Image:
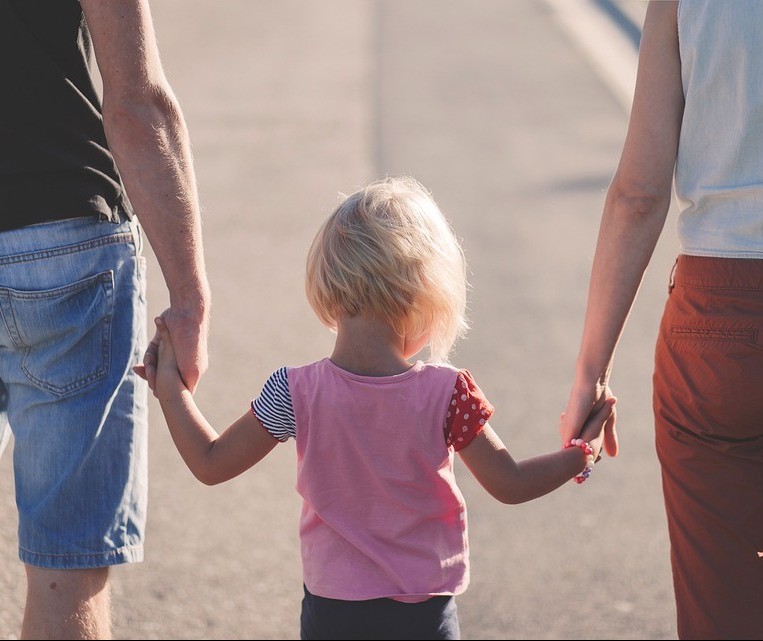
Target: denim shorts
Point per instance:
(72, 325)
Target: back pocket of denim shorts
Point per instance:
(64, 333)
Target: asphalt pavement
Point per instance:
(496, 108)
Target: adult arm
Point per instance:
(147, 135)
(634, 214)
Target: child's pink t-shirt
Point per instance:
(382, 514)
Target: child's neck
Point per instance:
(369, 347)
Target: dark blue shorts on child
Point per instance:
(322, 618)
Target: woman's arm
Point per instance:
(634, 214)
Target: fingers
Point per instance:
(571, 422)
(147, 369)
(161, 327)
(593, 428)
(160, 354)
(187, 341)
(608, 406)
(599, 415)
(582, 402)
(611, 445)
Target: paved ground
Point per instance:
(494, 108)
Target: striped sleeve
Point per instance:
(273, 407)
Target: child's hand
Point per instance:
(167, 373)
(593, 429)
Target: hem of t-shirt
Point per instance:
(417, 597)
(721, 253)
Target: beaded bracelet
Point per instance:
(588, 450)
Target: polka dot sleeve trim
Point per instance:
(468, 412)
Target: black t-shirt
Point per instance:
(54, 159)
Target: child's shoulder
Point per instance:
(441, 365)
(314, 370)
(461, 377)
(284, 373)
(439, 373)
(312, 365)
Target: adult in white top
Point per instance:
(697, 124)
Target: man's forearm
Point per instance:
(149, 140)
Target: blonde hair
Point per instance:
(388, 252)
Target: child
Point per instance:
(383, 525)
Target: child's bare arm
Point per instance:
(512, 481)
(212, 458)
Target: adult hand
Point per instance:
(583, 402)
(189, 339)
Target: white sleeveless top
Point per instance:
(719, 169)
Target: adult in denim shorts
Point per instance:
(73, 341)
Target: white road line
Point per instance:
(608, 49)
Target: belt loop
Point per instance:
(672, 282)
(137, 235)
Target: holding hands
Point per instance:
(191, 360)
(166, 376)
(577, 421)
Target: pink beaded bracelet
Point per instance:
(588, 450)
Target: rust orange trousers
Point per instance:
(708, 407)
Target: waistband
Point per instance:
(718, 272)
(60, 234)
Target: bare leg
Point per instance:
(67, 604)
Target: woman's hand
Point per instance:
(584, 403)
(599, 422)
